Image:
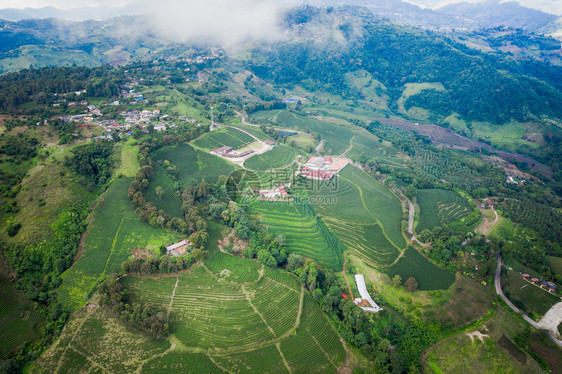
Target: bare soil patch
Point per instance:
(548, 350)
(238, 245)
(141, 253)
(512, 349)
(477, 335)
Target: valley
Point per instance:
(200, 207)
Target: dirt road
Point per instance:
(411, 212)
(486, 225)
(346, 281)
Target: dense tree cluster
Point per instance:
(41, 85)
(19, 148)
(161, 265)
(268, 105)
(395, 56)
(231, 215)
(431, 167)
(391, 345)
(267, 248)
(147, 317)
(38, 265)
(93, 162)
(546, 221)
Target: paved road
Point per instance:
(510, 304)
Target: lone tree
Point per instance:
(159, 192)
(397, 280)
(411, 284)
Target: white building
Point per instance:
(362, 288)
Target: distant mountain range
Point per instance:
(461, 15)
(494, 13)
(420, 13)
(547, 6)
(75, 14)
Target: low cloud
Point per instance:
(228, 22)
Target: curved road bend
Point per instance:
(510, 304)
(411, 212)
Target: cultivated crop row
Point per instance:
(304, 234)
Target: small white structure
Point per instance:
(178, 248)
(365, 297)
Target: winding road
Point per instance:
(411, 212)
(513, 307)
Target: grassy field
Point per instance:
(368, 146)
(113, 232)
(48, 190)
(357, 198)
(336, 137)
(178, 103)
(129, 161)
(370, 89)
(412, 89)
(302, 140)
(279, 157)
(429, 276)
(556, 263)
(37, 56)
(304, 233)
(193, 165)
(495, 353)
(255, 131)
(88, 344)
(226, 136)
(19, 322)
(529, 298)
(510, 135)
(438, 207)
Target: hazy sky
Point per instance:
(550, 6)
(62, 4)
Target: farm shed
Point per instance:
(362, 287)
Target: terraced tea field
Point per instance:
(366, 241)
(88, 344)
(438, 207)
(337, 138)
(304, 233)
(218, 323)
(169, 202)
(194, 166)
(19, 322)
(115, 230)
(226, 136)
(279, 157)
(357, 198)
(428, 275)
